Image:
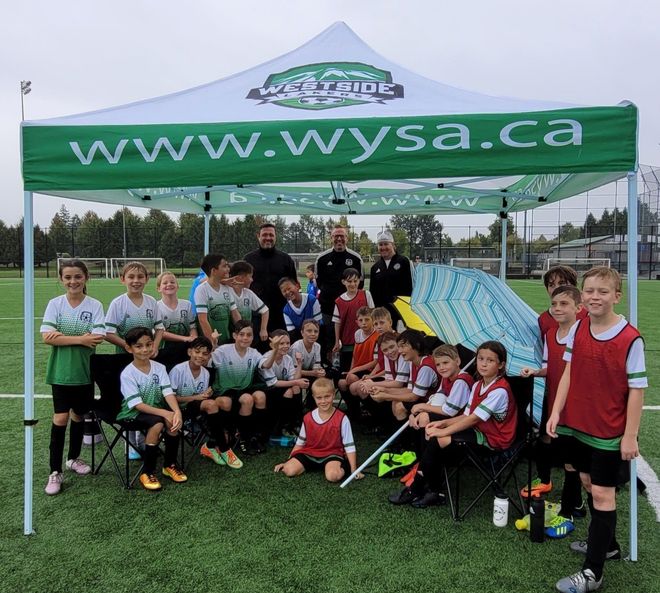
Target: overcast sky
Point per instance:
(83, 55)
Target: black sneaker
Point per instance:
(581, 548)
(242, 447)
(405, 496)
(430, 499)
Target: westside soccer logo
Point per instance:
(328, 85)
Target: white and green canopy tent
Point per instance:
(330, 128)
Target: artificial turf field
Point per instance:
(252, 531)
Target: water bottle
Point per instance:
(537, 520)
(500, 512)
(92, 432)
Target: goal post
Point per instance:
(154, 265)
(490, 265)
(98, 267)
(579, 264)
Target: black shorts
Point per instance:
(146, 421)
(606, 468)
(79, 398)
(316, 464)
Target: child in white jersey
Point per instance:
(247, 301)
(177, 314)
(73, 325)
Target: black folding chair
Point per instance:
(497, 468)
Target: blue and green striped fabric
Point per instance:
(467, 306)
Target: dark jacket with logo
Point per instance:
(330, 266)
(388, 282)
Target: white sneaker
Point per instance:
(54, 485)
(78, 466)
(580, 582)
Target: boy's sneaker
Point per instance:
(580, 511)
(78, 466)
(211, 453)
(430, 499)
(54, 485)
(229, 458)
(242, 447)
(581, 548)
(538, 488)
(150, 482)
(405, 496)
(580, 582)
(559, 527)
(175, 473)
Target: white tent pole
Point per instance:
(632, 318)
(28, 349)
(503, 220)
(207, 221)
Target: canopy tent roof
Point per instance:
(334, 113)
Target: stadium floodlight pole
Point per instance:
(632, 318)
(28, 349)
(375, 454)
(26, 89)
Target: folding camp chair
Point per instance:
(106, 370)
(497, 468)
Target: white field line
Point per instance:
(16, 318)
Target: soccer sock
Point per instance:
(149, 459)
(76, 433)
(601, 532)
(57, 436)
(614, 544)
(217, 432)
(244, 425)
(171, 449)
(429, 468)
(543, 461)
(260, 416)
(570, 494)
(352, 406)
(287, 413)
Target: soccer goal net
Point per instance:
(98, 267)
(490, 265)
(154, 265)
(579, 264)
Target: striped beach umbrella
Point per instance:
(468, 306)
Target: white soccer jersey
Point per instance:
(217, 305)
(234, 371)
(183, 383)
(284, 370)
(124, 315)
(310, 359)
(248, 303)
(149, 388)
(180, 320)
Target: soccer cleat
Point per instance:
(150, 482)
(538, 488)
(175, 473)
(54, 485)
(211, 453)
(581, 548)
(559, 527)
(430, 499)
(78, 466)
(580, 582)
(231, 460)
(405, 496)
(242, 447)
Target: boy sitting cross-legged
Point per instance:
(190, 381)
(150, 402)
(325, 441)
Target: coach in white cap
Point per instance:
(391, 275)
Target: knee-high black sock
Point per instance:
(430, 466)
(76, 433)
(149, 459)
(543, 461)
(287, 419)
(260, 416)
(244, 425)
(352, 407)
(171, 449)
(57, 436)
(571, 494)
(614, 544)
(217, 432)
(601, 532)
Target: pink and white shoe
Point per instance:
(54, 485)
(79, 467)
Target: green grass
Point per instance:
(254, 531)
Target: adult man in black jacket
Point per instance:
(270, 264)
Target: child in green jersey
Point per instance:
(73, 325)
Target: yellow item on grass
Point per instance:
(551, 511)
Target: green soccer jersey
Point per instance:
(234, 372)
(124, 315)
(69, 365)
(218, 305)
(149, 388)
